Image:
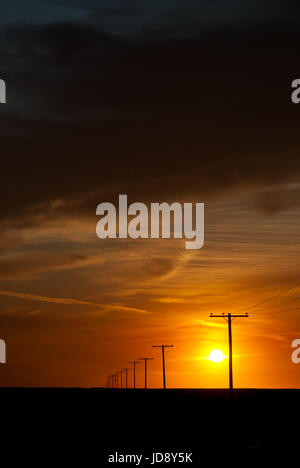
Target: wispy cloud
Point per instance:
(61, 300)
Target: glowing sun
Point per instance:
(216, 355)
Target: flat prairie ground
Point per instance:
(67, 424)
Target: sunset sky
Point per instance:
(164, 101)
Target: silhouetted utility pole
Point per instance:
(112, 379)
(229, 317)
(134, 364)
(117, 374)
(163, 346)
(121, 372)
(126, 369)
(145, 359)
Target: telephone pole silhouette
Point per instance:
(126, 369)
(163, 346)
(229, 317)
(145, 359)
(134, 364)
(110, 381)
(121, 372)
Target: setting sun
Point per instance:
(216, 355)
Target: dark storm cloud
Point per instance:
(91, 115)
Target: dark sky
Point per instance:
(134, 82)
(164, 101)
(127, 17)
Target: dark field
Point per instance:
(87, 424)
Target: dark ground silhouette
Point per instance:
(87, 424)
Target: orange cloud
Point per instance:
(61, 300)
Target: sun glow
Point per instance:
(216, 355)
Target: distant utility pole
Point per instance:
(112, 378)
(126, 369)
(117, 374)
(229, 317)
(134, 364)
(109, 382)
(163, 346)
(145, 359)
(121, 372)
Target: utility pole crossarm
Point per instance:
(163, 346)
(231, 315)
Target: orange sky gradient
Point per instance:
(86, 318)
(165, 102)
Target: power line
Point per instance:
(283, 291)
(188, 339)
(272, 298)
(275, 306)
